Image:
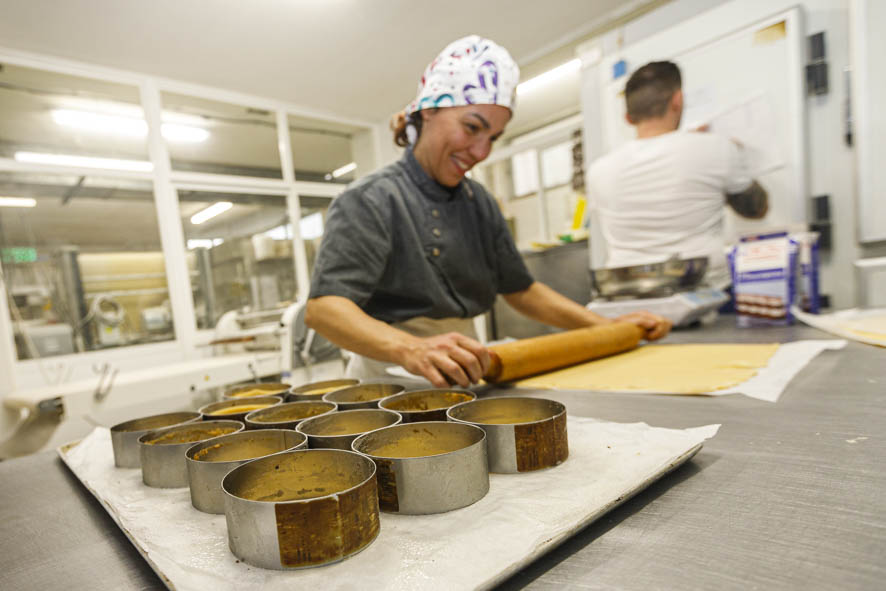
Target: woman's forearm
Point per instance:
(442, 359)
(543, 304)
(343, 322)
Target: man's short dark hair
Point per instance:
(650, 88)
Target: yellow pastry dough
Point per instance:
(868, 327)
(667, 369)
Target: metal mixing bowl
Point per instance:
(650, 280)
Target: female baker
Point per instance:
(415, 250)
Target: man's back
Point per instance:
(665, 195)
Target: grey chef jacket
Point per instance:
(400, 245)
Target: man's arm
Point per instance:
(752, 203)
(543, 304)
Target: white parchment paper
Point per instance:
(521, 517)
(771, 381)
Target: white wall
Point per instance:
(386, 150)
(831, 162)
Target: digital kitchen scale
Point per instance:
(671, 288)
(681, 308)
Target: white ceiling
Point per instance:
(355, 58)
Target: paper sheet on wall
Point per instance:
(750, 121)
(522, 517)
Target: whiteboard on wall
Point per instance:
(742, 74)
(869, 92)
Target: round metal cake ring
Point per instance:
(162, 452)
(236, 409)
(260, 389)
(522, 434)
(337, 430)
(300, 509)
(209, 461)
(362, 396)
(316, 390)
(287, 415)
(426, 405)
(429, 467)
(125, 436)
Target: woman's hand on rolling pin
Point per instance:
(655, 326)
(446, 359)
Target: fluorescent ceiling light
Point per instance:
(344, 169)
(311, 226)
(281, 232)
(544, 78)
(126, 125)
(17, 202)
(210, 212)
(183, 133)
(100, 122)
(84, 161)
(203, 242)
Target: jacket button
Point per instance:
(435, 252)
(436, 232)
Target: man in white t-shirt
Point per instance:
(663, 193)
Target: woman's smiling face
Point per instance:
(454, 139)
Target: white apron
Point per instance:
(364, 368)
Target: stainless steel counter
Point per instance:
(787, 495)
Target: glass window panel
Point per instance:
(525, 172)
(240, 258)
(556, 164)
(313, 224)
(83, 264)
(328, 151)
(221, 138)
(54, 118)
(497, 178)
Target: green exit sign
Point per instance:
(18, 254)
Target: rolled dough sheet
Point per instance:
(666, 369)
(869, 327)
(864, 326)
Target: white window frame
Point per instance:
(539, 140)
(166, 182)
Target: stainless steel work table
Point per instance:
(787, 495)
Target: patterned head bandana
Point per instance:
(470, 71)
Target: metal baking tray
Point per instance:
(524, 516)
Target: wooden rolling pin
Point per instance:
(526, 357)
